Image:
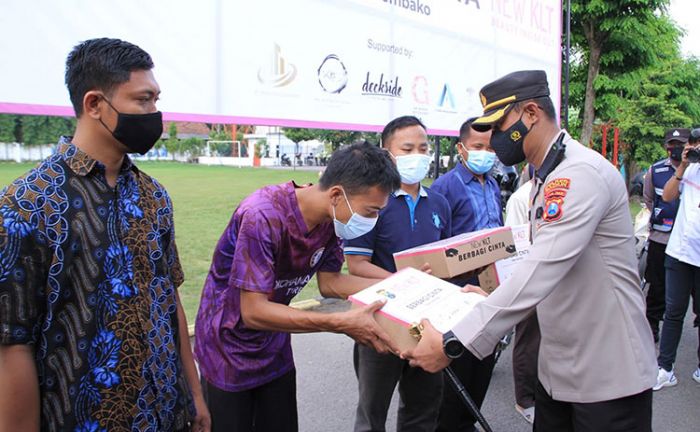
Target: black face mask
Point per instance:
(676, 153)
(138, 132)
(508, 144)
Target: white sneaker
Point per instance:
(666, 379)
(527, 413)
(696, 375)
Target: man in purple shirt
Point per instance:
(277, 239)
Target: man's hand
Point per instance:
(428, 354)
(475, 289)
(202, 421)
(684, 161)
(360, 325)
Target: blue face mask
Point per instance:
(480, 161)
(355, 227)
(413, 168)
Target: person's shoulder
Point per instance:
(660, 162)
(441, 182)
(436, 196)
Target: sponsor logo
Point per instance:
(389, 48)
(413, 5)
(278, 72)
(420, 90)
(382, 87)
(316, 257)
(446, 98)
(332, 74)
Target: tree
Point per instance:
(335, 138)
(595, 23)
(172, 144)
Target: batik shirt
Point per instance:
(266, 248)
(88, 275)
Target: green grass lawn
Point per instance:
(204, 199)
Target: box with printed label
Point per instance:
(496, 273)
(412, 295)
(459, 254)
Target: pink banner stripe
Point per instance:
(65, 111)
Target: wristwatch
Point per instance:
(452, 347)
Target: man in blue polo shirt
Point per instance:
(413, 216)
(475, 200)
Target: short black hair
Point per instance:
(544, 102)
(359, 167)
(399, 123)
(102, 64)
(466, 129)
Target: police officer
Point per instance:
(596, 359)
(661, 221)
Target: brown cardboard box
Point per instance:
(459, 254)
(412, 295)
(496, 273)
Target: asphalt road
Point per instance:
(327, 389)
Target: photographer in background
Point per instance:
(682, 260)
(663, 214)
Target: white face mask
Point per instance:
(413, 168)
(356, 226)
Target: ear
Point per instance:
(92, 104)
(530, 110)
(335, 193)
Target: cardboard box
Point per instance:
(460, 254)
(499, 271)
(412, 295)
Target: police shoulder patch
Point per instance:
(553, 209)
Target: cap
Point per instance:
(678, 134)
(499, 96)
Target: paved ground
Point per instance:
(327, 389)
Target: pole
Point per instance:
(567, 68)
(437, 157)
(458, 387)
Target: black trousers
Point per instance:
(475, 375)
(271, 407)
(656, 276)
(627, 414)
(526, 346)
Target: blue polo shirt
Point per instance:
(474, 206)
(404, 223)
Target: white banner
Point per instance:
(338, 64)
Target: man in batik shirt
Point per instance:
(92, 333)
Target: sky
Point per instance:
(684, 12)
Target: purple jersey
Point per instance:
(265, 248)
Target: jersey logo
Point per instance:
(316, 257)
(436, 221)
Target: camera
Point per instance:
(693, 154)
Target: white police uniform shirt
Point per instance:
(581, 276)
(684, 243)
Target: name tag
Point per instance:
(660, 170)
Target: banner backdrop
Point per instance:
(335, 64)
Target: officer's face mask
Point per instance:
(676, 153)
(138, 132)
(479, 161)
(355, 227)
(413, 167)
(508, 144)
